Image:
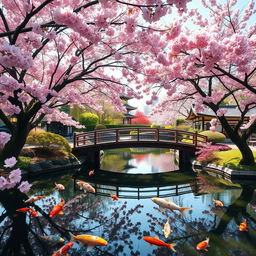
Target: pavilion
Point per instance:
(201, 120)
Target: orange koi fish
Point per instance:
(114, 197)
(63, 251)
(202, 245)
(90, 240)
(91, 172)
(243, 226)
(59, 186)
(218, 203)
(158, 242)
(33, 199)
(26, 209)
(57, 209)
(85, 186)
(33, 213)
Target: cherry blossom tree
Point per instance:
(58, 52)
(212, 60)
(140, 118)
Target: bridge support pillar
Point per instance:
(185, 160)
(91, 160)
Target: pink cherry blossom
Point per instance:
(24, 186)
(4, 138)
(15, 176)
(10, 162)
(3, 183)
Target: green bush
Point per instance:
(89, 119)
(180, 121)
(49, 140)
(214, 137)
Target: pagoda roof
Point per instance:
(127, 106)
(127, 115)
(232, 111)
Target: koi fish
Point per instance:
(26, 209)
(90, 240)
(168, 204)
(53, 238)
(167, 229)
(63, 251)
(57, 209)
(158, 242)
(31, 211)
(218, 203)
(91, 172)
(59, 186)
(114, 197)
(85, 186)
(202, 245)
(33, 199)
(243, 226)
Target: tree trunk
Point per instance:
(17, 141)
(245, 150)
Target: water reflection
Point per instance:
(139, 160)
(124, 223)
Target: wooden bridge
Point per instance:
(136, 137)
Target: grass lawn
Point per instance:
(231, 159)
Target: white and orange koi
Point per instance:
(202, 245)
(85, 186)
(33, 199)
(168, 204)
(167, 229)
(59, 186)
(218, 203)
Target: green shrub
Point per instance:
(49, 140)
(180, 121)
(214, 137)
(89, 119)
(100, 127)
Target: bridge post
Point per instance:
(185, 162)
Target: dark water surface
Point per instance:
(124, 222)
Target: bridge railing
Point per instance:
(132, 134)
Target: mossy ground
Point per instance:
(231, 159)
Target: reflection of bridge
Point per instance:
(138, 186)
(136, 137)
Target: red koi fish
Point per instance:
(31, 211)
(33, 199)
(114, 197)
(57, 209)
(243, 226)
(26, 209)
(202, 245)
(218, 203)
(64, 249)
(158, 242)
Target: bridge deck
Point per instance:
(137, 137)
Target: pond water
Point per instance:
(124, 222)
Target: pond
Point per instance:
(123, 223)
